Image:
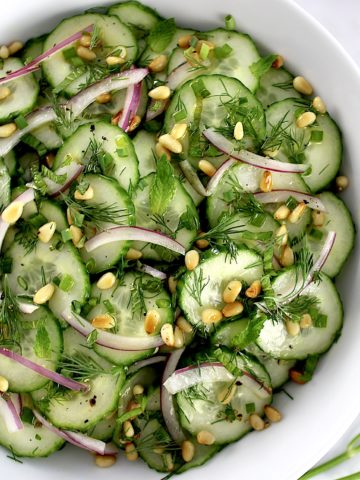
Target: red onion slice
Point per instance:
(167, 399)
(10, 415)
(44, 372)
(276, 196)
(131, 105)
(145, 363)
(72, 172)
(133, 233)
(153, 112)
(265, 163)
(16, 400)
(28, 308)
(153, 272)
(178, 75)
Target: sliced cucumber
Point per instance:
(276, 341)
(48, 136)
(41, 342)
(140, 18)
(53, 213)
(202, 287)
(122, 357)
(276, 85)
(10, 162)
(32, 49)
(104, 429)
(203, 453)
(5, 181)
(113, 34)
(144, 143)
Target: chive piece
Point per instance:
(37, 220)
(199, 89)
(179, 116)
(56, 281)
(66, 235)
(316, 234)
(92, 337)
(69, 53)
(299, 111)
(6, 265)
(76, 306)
(78, 219)
(204, 51)
(261, 236)
(77, 61)
(21, 122)
(163, 303)
(258, 219)
(34, 143)
(109, 306)
(250, 407)
(291, 203)
(243, 100)
(66, 283)
(320, 321)
(316, 136)
(230, 22)
(27, 415)
(90, 265)
(122, 152)
(93, 301)
(193, 42)
(22, 282)
(223, 52)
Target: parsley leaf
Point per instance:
(161, 34)
(260, 67)
(42, 347)
(163, 187)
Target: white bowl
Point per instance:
(325, 408)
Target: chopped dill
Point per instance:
(197, 285)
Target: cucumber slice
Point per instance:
(202, 287)
(122, 357)
(274, 339)
(10, 162)
(169, 223)
(53, 213)
(276, 85)
(323, 158)
(5, 185)
(48, 136)
(144, 143)
(104, 430)
(24, 91)
(140, 18)
(113, 34)
(203, 453)
(102, 148)
(39, 326)
(200, 408)
(32, 49)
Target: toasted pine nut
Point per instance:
(46, 232)
(112, 60)
(266, 182)
(211, 315)
(184, 41)
(106, 281)
(318, 218)
(76, 234)
(178, 337)
(297, 377)
(207, 167)
(254, 290)
(232, 309)
(256, 422)
(305, 119)
(104, 321)
(4, 92)
(272, 413)
(297, 213)
(7, 130)
(49, 159)
(319, 105)
(12, 212)
(167, 334)
(168, 460)
(69, 216)
(4, 384)
(88, 195)
(15, 47)
(135, 122)
(170, 143)
(128, 429)
(287, 257)
(226, 394)
(105, 461)
(178, 130)
(158, 64)
(231, 291)
(160, 150)
(138, 390)
(184, 325)
(85, 53)
(306, 321)
(292, 328)
(133, 254)
(303, 86)
(239, 131)
(172, 283)
(152, 321)
(44, 294)
(192, 259)
(160, 93)
(131, 452)
(187, 450)
(202, 243)
(342, 182)
(282, 235)
(4, 52)
(205, 438)
(282, 213)
(103, 98)
(85, 40)
(278, 62)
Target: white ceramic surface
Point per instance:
(325, 408)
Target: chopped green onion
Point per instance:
(78, 219)
(179, 116)
(66, 235)
(163, 303)
(109, 306)
(193, 42)
(204, 51)
(316, 136)
(316, 234)
(199, 89)
(27, 415)
(93, 301)
(76, 306)
(69, 53)
(250, 407)
(56, 281)
(66, 283)
(258, 219)
(291, 203)
(77, 61)
(261, 236)
(320, 321)
(300, 157)
(37, 220)
(92, 337)
(21, 122)
(22, 282)
(6, 265)
(83, 186)
(37, 437)
(223, 52)
(230, 22)
(299, 111)
(122, 152)
(90, 265)
(34, 143)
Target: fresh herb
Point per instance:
(250, 334)
(13, 456)
(223, 52)
(82, 367)
(161, 35)
(26, 235)
(316, 136)
(96, 159)
(142, 290)
(64, 117)
(309, 368)
(259, 68)
(189, 220)
(21, 122)
(95, 37)
(42, 346)
(92, 337)
(293, 310)
(250, 408)
(10, 321)
(197, 285)
(275, 137)
(163, 187)
(66, 283)
(230, 22)
(34, 143)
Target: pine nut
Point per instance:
(254, 290)
(159, 450)
(187, 450)
(167, 334)
(106, 281)
(105, 461)
(160, 93)
(85, 40)
(4, 92)
(12, 212)
(305, 119)
(69, 216)
(192, 259)
(170, 143)
(282, 235)
(138, 390)
(282, 213)
(297, 377)
(44, 294)
(227, 394)
(239, 131)
(319, 105)
(207, 167)
(172, 283)
(342, 182)
(133, 254)
(287, 257)
(152, 321)
(158, 64)
(302, 86)
(184, 41)
(7, 130)
(131, 453)
(104, 321)
(292, 328)
(4, 384)
(272, 413)
(278, 62)
(49, 159)
(202, 243)
(232, 309)
(46, 232)
(160, 150)
(318, 218)
(128, 429)
(256, 422)
(211, 315)
(85, 53)
(88, 195)
(306, 321)
(168, 460)
(178, 130)
(184, 325)
(178, 337)
(4, 52)
(135, 122)
(112, 61)
(15, 47)
(266, 182)
(103, 98)
(297, 213)
(76, 234)
(231, 291)
(271, 153)
(205, 438)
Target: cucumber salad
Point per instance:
(170, 232)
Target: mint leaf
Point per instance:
(189, 220)
(42, 347)
(163, 187)
(260, 67)
(161, 35)
(250, 334)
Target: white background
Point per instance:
(342, 19)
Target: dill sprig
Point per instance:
(26, 235)
(197, 285)
(82, 367)
(242, 202)
(64, 116)
(275, 137)
(294, 310)
(10, 323)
